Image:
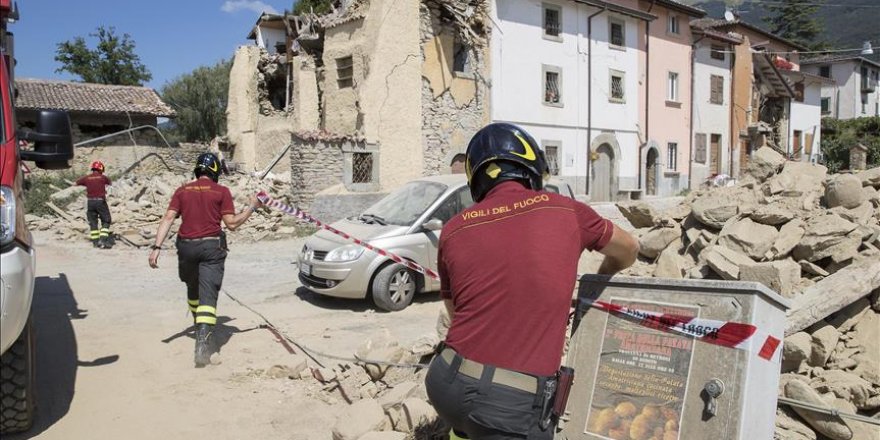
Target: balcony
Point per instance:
(868, 85)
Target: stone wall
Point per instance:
(454, 104)
(315, 165)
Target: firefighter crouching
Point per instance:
(201, 243)
(96, 207)
(507, 269)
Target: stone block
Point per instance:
(639, 214)
(825, 338)
(781, 276)
(796, 350)
(358, 419)
(415, 412)
(726, 262)
(823, 237)
(670, 264)
(847, 386)
(812, 269)
(764, 163)
(844, 190)
(772, 215)
(658, 239)
(828, 425)
(749, 238)
(870, 177)
(396, 395)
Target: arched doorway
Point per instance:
(602, 186)
(651, 172)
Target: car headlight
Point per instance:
(348, 252)
(7, 215)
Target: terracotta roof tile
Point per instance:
(39, 94)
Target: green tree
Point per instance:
(795, 20)
(838, 136)
(113, 61)
(316, 6)
(199, 98)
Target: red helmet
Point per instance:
(98, 166)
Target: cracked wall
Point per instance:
(454, 92)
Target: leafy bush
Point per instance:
(42, 186)
(838, 136)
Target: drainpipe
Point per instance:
(647, 93)
(733, 137)
(691, 124)
(590, 93)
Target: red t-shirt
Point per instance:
(509, 264)
(202, 203)
(95, 184)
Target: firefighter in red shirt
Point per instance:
(97, 208)
(507, 269)
(201, 244)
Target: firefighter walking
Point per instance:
(96, 209)
(201, 244)
(507, 269)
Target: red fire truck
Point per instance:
(52, 149)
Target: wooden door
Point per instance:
(602, 169)
(796, 144)
(715, 151)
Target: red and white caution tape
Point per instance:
(302, 215)
(724, 333)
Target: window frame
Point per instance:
(672, 87)
(672, 156)
(622, 75)
(719, 50)
(553, 7)
(701, 146)
(622, 23)
(468, 69)
(547, 69)
(546, 145)
(824, 67)
(673, 25)
(827, 110)
(344, 81)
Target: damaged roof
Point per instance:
(41, 94)
(715, 23)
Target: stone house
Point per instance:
(95, 109)
(853, 91)
(371, 103)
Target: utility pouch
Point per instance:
(564, 381)
(223, 244)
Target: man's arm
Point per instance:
(164, 227)
(620, 252)
(233, 221)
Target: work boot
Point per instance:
(203, 352)
(96, 243)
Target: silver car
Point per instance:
(406, 222)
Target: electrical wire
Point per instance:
(797, 3)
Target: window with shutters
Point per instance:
(717, 52)
(799, 92)
(716, 89)
(616, 36)
(700, 148)
(552, 85)
(672, 25)
(825, 105)
(617, 87)
(552, 22)
(344, 72)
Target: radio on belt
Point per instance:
(638, 382)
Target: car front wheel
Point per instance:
(17, 389)
(394, 287)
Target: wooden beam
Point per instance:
(833, 294)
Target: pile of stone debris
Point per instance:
(381, 402)
(815, 239)
(138, 201)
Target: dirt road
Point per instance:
(115, 346)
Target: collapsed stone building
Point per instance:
(342, 99)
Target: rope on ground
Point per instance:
(830, 411)
(311, 353)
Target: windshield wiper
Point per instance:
(373, 218)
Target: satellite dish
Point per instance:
(728, 15)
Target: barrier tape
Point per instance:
(723, 333)
(302, 215)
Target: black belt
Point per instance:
(513, 379)
(198, 239)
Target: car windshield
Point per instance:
(404, 205)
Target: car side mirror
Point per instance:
(434, 224)
(53, 141)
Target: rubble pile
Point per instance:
(789, 226)
(138, 202)
(372, 401)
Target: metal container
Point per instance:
(635, 381)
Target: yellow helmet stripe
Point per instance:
(529, 152)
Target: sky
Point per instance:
(172, 37)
